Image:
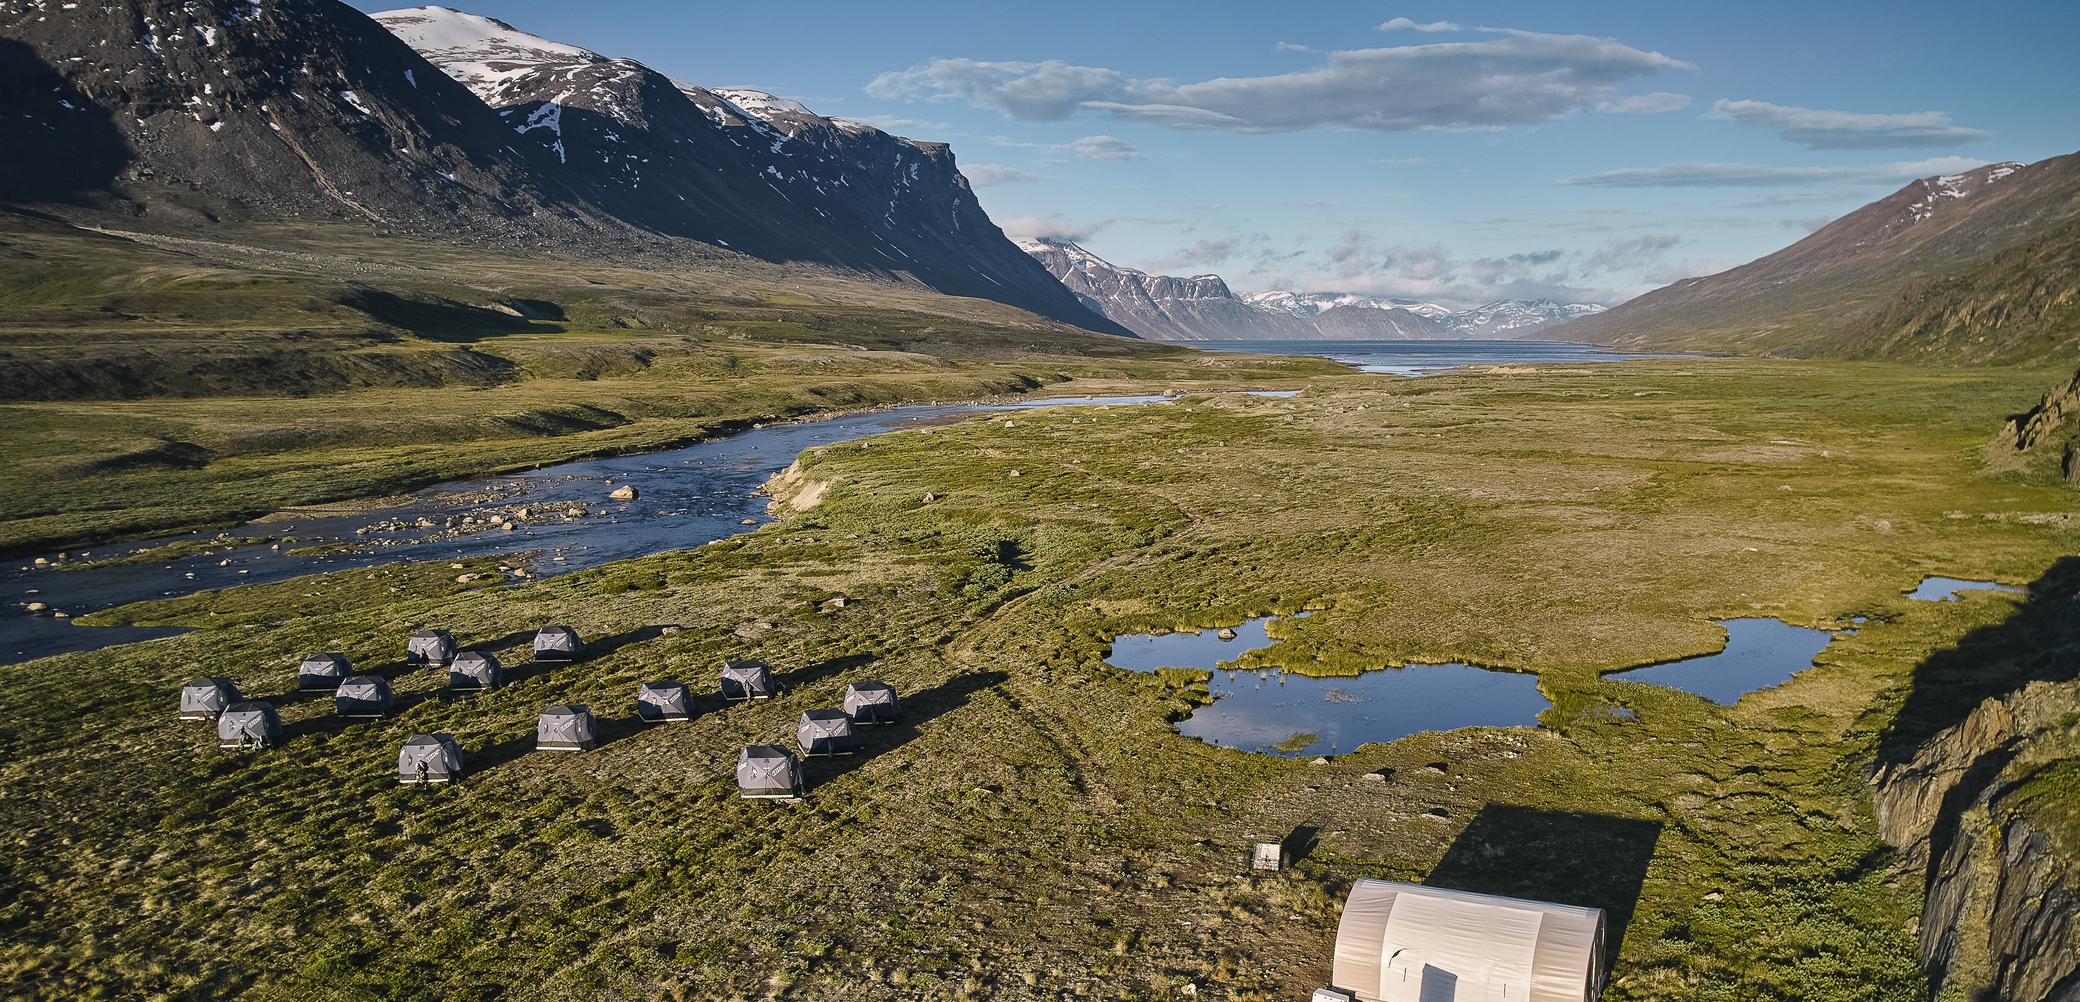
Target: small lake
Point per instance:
(1280, 713)
(1759, 654)
(1417, 358)
(1933, 589)
(687, 497)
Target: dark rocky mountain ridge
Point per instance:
(281, 110)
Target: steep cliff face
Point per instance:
(1990, 810)
(740, 168)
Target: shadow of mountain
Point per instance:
(61, 145)
(2040, 641)
(1588, 860)
(918, 710)
(441, 320)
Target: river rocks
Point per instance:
(1226, 634)
(625, 492)
(37, 607)
(574, 512)
(749, 521)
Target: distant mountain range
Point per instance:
(1982, 266)
(194, 111)
(1203, 308)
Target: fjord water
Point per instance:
(1416, 358)
(687, 497)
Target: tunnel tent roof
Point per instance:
(1407, 940)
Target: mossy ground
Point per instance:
(1036, 828)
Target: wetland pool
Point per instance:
(686, 497)
(1935, 589)
(1281, 713)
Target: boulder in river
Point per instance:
(625, 492)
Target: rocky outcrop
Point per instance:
(1985, 810)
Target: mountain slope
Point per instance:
(1203, 308)
(1972, 267)
(740, 168)
(285, 108)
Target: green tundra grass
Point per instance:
(1036, 829)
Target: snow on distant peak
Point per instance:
(1314, 304)
(760, 103)
(482, 52)
(1944, 187)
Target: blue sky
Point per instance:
(1452, 152)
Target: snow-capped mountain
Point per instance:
(737, 167)
(1203, 308)
(309, 109)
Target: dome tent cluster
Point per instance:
(763, 771)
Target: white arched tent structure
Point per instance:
(1410, 943)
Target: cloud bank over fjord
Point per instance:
(1727, 175)
(1842, 130)
(1519, 78)
(991, 175)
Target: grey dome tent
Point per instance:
(747, 679)
(364, 696)
(204, 698)
(566, 728)
(475, 670)
(869, 703)
(1406, 941)
(430, 647)
(429, 758)
(323, 671)
(250, 725)
(768, 771)
(657, 702)
(557, 643)
(826, 732)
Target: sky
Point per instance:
(1453, 153)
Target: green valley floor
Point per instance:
(1036, 828)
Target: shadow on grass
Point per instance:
(814, 673)
(1587, 860)
(918, 710)
(2040, 641)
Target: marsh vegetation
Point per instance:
(1036, 827)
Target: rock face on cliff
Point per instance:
(1990, 810)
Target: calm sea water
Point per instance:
(1416, 358)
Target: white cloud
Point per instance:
(1036, 228)
(1638, 252)
(1101, 148)
(1517, 79)
(1715, 175)
(991, 175)
(1842, 130)
(1290, 47)
(1645, 104)
(1200, 254)
(1404, 24)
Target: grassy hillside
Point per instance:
(1036, 829)
(158, 382)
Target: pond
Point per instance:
(1759, 653)
(687, 497)
(1934, 589)
(1281, 713)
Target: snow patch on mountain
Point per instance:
(483, 53)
